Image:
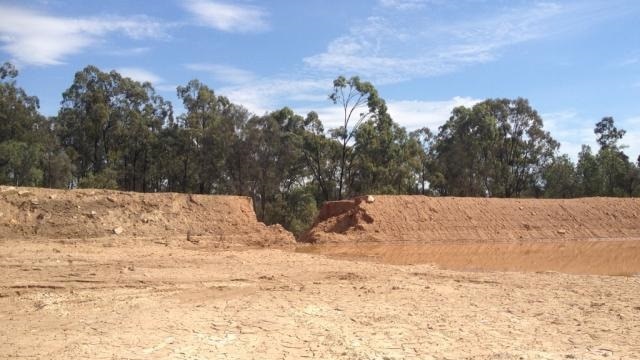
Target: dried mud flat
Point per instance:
(97, 274)
(141, 300)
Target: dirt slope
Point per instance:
(82, 214)
(445, 219)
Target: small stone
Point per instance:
(35, 202)
(52, 196)
(562, 231)
(370, 199)
(92, 214)
(109, 198)
(24, 192)
(119, 230)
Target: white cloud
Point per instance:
(140, 75)
(412, 114)
(394, 48)
(573, 130)
(129, 51)
(268, 94)
(224, 73)
(403, 4)
(38, 39)
(228, 17)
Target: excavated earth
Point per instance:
(421, 219)
(31, 213)
(98, 274)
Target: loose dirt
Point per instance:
(610, 257)
(31, 213)
(183, 278)
(421, 219)
(145, 300)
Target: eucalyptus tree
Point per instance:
(358, 101)
(387, 159)
(109, 123)
(24, 133)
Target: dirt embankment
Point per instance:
(84, 214)
(427, 220)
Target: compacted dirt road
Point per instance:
(99, 299)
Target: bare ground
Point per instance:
(139, 300)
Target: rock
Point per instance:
(370, 199)
(24, 192)
(52, 196)
(92, 214)
(119, 230)
(35, 202)
(562, 231)
(111, 199)
(8, 189)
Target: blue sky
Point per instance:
(576, 61)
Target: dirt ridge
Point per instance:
(28, 213)
(443, 219)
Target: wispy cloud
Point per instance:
(224, 73)
(573, 130)
(267, 94)
(403, 4)
(140, 75)
(412, 114)
(227, 16)
(134, 51)
(39, 39)
(400, 47)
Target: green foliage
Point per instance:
(358, 101)
(113, 132)
(496, 148)
(607, 135)
(560, 178)
(387, 160)
(19, 163)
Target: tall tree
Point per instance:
(524, 148)
(322, 157)
(109, 124)
(607, 134)
(560, 179)
(464, 153)
(358, 101)
(387, 159)
(24, 133)
(210, 129)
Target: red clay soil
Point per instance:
(33, 213)
(424, 219)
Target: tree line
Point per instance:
(116, 133)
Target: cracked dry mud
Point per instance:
(137, 300)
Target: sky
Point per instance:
(576, 61)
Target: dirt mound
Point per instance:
(444, 219)
(82, 214)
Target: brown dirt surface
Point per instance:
(71, 288)
(422, 219)
(32, 213)
(84, 300)
(609, 257)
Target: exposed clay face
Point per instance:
(423, 219)
(86, 214)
